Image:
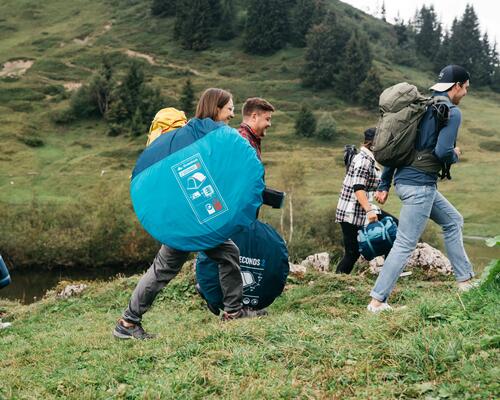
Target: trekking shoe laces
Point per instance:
(213, 309)
(134, 332)
(243, 313)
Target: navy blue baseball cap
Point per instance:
(370, 134)
(450, 75)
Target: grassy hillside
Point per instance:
(317, 343)
(60, 200)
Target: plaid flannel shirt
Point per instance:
(252, 138)
(362, 171)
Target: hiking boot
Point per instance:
(467, 285)
(245, 312)
(213, 309)
(133, 332)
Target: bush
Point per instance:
(327, 127)
(305, 123)
(65, 116)
(490, 145)
(31, 141)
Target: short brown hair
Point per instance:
(210, 101)
(256, 104)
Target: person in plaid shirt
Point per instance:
(355, 207)
(257, 115)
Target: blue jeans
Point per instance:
(419, 204)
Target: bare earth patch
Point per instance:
(152, 61)
(71, 86)
(147, 57)
(15, 68)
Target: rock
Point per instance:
(424, 257)
(71, 290)
(320, 262)
(429, 259)
(297, 270)
(376, 265)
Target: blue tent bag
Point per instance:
(376, 239)
(197, 185)
(4, 274)
(263, 263)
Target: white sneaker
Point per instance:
(468, 285)
(380, 308)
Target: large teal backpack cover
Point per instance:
(264, 267)
(197, 186)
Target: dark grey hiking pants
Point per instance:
(167, 264)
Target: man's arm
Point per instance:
(384, 185)
(445, 147)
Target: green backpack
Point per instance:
(401, 109)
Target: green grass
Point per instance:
(318, 342)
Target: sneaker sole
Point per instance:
(119, 335)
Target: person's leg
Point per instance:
(444, 214)
(416, 209)
(166, 265)
(351, 248)
(227, 256)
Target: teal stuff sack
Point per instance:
(376, 239)
(264, 268)
(4, 274)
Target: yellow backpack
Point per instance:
(165, 120)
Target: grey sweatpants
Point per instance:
(167, 264)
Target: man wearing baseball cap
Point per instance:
(418, 192)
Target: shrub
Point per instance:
(327, 127)
(305, 123)
(490, 145)
(31, 141)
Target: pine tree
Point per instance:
(305, 123)
(134, 103)
(227, 29)
(442, 57)
(132, 87)
(187, 98)
(326, 44)
(215, 12)
(404, 53)
(193, 24)
(164, 8)
(428, 32)
(466, 46)
(266, 28)
(370, 89)
(383, 12)
(356, 62)
(303, 15)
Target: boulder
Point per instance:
(297, 270)
(424, 257)
(70, 291)
(320, 262)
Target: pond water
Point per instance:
(30, 285)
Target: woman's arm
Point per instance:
(363, 201)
